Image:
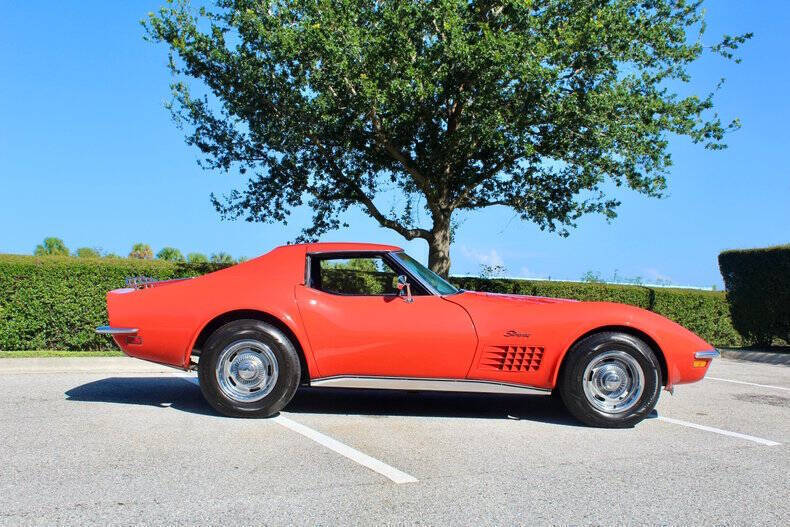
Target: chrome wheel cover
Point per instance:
(246, 371)
(613, 382)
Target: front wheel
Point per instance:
(610, 380)
(248, 368)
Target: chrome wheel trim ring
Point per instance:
(246, 371)
(613, 382)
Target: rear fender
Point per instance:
(276, 316)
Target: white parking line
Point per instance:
(344, 450)
(334, 445)
(760, 440)
(747, 383)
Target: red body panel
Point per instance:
(551, 326)
(368, 335)
(516, 339)
(170, 318)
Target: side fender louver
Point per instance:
(512, 358)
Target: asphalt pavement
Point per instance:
(120, 441)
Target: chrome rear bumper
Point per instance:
(109, 330)
(708, 354)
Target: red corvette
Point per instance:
(358, 315)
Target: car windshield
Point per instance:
(442, 286)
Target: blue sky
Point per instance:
(89, 154)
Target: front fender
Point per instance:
(675, 344)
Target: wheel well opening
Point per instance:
(662, 361)
(242, 314)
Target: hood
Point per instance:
(506, 298)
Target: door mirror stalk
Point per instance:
(402, 284)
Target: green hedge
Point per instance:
(758, 292)
(55, 302)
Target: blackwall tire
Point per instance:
(248, 368)
(610, 380)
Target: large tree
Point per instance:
(535, 105)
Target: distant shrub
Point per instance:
(87, 252)
(141, 251)
(492, 271)
(757, 282)
(197, 258)
(592, 277)
(221, 258)
(51, 247)
(170, 254)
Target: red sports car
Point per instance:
(358, 315)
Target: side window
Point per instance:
(359, 276)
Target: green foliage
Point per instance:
(51, 247)
(704, 312)
(358, 282)
(56, 302)
(592, 277)
(540, 106)
(757, 282)
(492, 271)
(360, 276)
(197, 258)
(357, 264)
(171, 254)
(39, 354)
(87, 252)
(141, 251)
(222, 258)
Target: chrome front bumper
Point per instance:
(109, 330)
(708, 354)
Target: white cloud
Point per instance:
(490, 257)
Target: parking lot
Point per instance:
(115, 440)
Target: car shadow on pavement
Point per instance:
(179, 394)
(162, 392)
(539, 408)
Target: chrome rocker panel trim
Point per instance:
(425, 384)
(109, 330)
(709, 354)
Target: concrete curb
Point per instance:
(765, 357)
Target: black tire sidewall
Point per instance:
(571, 383)
(289, 368)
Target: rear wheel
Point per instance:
(610, 380)
(248, 368)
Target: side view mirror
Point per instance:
(404, 284)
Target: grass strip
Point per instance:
(27, 354)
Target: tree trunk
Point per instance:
(439, 246)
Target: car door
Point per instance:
(358, 324)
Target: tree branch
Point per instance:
(406, 232)
(455, 112)
(366, 201)
(485, 175)
(399, 156)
